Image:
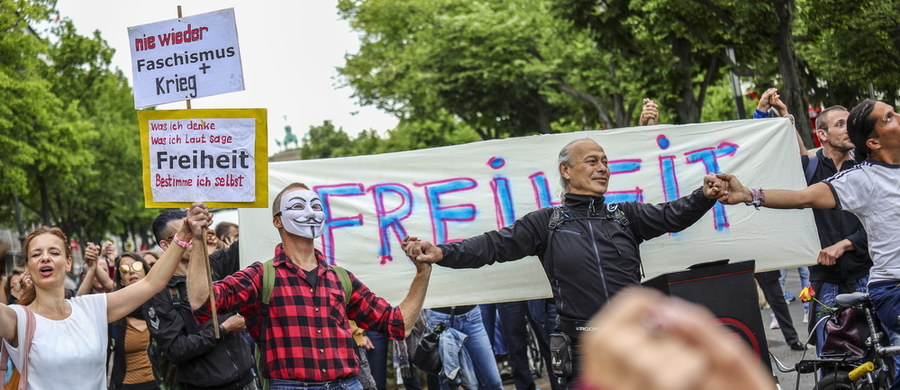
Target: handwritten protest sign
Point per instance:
(451, 193)
(185, 58)
(216, 156)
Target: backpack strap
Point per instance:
(30, 324)
(346, 284)
(559, 215)
(811, 168)
(268, 284)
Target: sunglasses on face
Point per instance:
(137, 266)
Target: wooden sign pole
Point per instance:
(205, 251)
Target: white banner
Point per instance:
(451, 193)
(185, 58)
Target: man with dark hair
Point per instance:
(869, 190)
(589, 248)
(203, 361)
(843, 263)
(227, 232)
(304, 330)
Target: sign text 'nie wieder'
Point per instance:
(185, 58)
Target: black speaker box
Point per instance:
(728, 290)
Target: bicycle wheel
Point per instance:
(535, 362)
(835, 381)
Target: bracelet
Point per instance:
(222, 331)
(757, 196)
(183, 244)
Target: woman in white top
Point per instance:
(68, 350)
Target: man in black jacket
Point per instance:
(203, 361)
(589, 249)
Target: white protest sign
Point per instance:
(451, 193)
(216, 156)
(185, 58)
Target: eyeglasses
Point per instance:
(137, 266)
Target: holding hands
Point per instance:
(198, 217)
(91, 254)
(768, 99)
(649, 114)
(421, 252)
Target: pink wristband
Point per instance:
(183, 244)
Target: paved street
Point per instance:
(776, 343)
(780, 349)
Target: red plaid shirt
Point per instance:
(308, 335)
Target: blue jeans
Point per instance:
(885, 297)
(477, 345)
(337, 384)
(493, 327)
(804, 282)
(513, 315)
(826, 294)
(378, 363)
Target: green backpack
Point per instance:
(268, 285)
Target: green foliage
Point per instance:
(496, 66)
(325, 141)
(848, 45)
(68, 136)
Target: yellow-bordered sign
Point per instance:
(217, 156)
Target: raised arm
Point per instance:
(197, 281)
(412, 304)
(90, 264)
(817, 196)
(101, 274)
(124, 301)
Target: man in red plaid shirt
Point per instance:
(306, 335)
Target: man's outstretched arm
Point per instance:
(817, 196)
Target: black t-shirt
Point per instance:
(224, 262)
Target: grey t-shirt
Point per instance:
(871, 191)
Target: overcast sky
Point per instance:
(289, 52)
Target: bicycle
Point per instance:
(859, 359)
(535, 361)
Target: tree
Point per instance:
(847, 46)
(71, 123)
(498, 67)
(325, 141)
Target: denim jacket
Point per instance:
(457, 365)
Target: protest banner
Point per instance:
(185, 58)
(215, 156)
(451, 193)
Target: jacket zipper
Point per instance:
(597, 251)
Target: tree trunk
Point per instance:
(791, 91)
(45, 201)
(602, 111)
(619, 108)
(542, 117)
(686, 108)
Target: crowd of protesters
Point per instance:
(133, 311)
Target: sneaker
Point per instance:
(774, 324)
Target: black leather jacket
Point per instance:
(594, 251)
